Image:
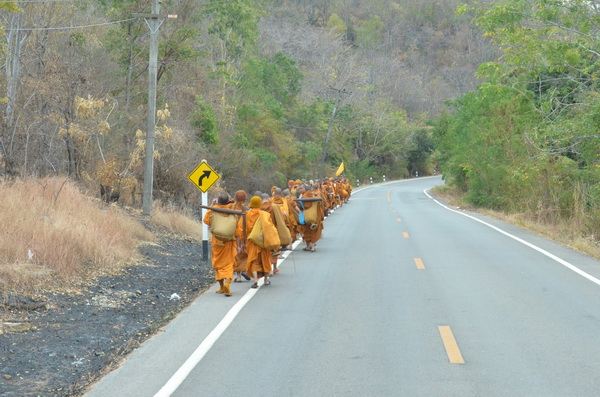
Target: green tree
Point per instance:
(369, 33)
(267, 94)
(204, 121)
(527, 138)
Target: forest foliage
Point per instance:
(527, 139)
(265, 90)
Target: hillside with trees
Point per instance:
(265, 90)
(527, 140)
(501, 97)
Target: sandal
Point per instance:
(255, 285)
(246, 276)
(267, 282)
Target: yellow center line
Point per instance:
(419, 263)
(450, 345)
(405, 235)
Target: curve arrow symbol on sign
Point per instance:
(204, 175)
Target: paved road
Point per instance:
(362, 315)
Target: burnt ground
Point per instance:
(58, 344)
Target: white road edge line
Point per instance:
(182, 373)
(520, 240)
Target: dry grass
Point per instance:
(52, 236)
(177, 221)
(451, 196)
(566, 232)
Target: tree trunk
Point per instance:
(329, 130)
(15, 40)
(69, 147)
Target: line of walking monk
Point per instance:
(249, 236)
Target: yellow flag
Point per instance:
(340, 169)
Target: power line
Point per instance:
(17, 2)
(93, 25)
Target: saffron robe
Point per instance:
(293, 217)
(259, 259)
(222, 252)
(309, 235)
(239, 264)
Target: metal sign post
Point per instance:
(203, 177)
(204, 199)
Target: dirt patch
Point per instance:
(57, 344)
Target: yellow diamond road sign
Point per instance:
(203, 176)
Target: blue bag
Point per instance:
(301, 214)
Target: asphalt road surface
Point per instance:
(402, 298)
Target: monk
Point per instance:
(330, 196)
(337, 187)
(223, 252)
(283, 205)
(344, 195)
(312, 233)
(239, 266)
(259, 259)
(292, 215)
(267, 206)
(294, 193)
(326, 199)
(348, 187)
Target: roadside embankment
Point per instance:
(83, 283)
(54, 237)
(570, 232)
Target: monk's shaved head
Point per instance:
(223, 198)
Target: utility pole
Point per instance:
(154, 21)
(340, 94)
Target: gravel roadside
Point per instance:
(58, 344)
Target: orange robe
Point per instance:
(222, 252)
(293, 217)
(331, 196)
(283, 205)
(259, 259)
(267, 206)
(239, 264)
(309, 235)
(326, 203)
(338, 193)
(345, 191)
